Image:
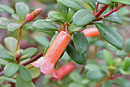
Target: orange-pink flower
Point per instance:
(53, 53)
(63, 71)
(91, 32)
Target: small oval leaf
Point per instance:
(11, 69)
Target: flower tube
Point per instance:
(53, 53)
(63, 71)
(91, 32)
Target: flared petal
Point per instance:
(39, 62)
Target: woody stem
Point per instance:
(19, 35)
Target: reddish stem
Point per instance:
(103, 8)
(34, 58)
(109, 13)
(97, 6)
(116, 76)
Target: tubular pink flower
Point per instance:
(53, 53)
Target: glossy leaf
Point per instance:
(11, 69)
(21, 83)
(3, 23)
(4, 54)
(91, 3)
(3, 62)
(11, 43)
(127, 2)
(107, 84)
(77, 75)
(75, 85)
(95, 74)
(25, 74)
(15, 16)
(104, 1)
(110, 35)
(80, 59)
(126, 65)
(13, 26)
(41, 39)
(74, 28)
(114, 18)
(70, 4)
(35, 72)
(22, 10)
(30, 51)
(80, 43)
(56, 15)
(61, 8)
(82, 17)
(121, 82)
(6, 9)
(128, 45)
(108, 57)
(41, 25)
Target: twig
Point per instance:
(19, 35)
(109, 13)
(34, 58)
(97, 6)
(116, 76)
(103, 8)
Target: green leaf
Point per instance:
(80, 59)
(3, 23)
(107, 2)
(56, 15)
(91, 3)
(41, 25)
(73, 28)
(80, 43)
(77, 75)
(11, 43)
(70, 15)
(128, 45)
(30, 51)
(107, 84)
(15, 16)
(25, 74)
(3, 62)
(22, 10)
(21, 83)
(126, 65)
(127, 2)
(70, 4)
(83, 17)
(11, 69)
(114, 18)
(4, 54)
(108, 57)
(75, 85)
(61, 8)
(95, 74)
(6, 9)
(35, 72)
(41, 39)
(8, 79)
(121, 82)
(13, 26)
(110, 35)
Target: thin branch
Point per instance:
(109, 13)
(34, 58)
(103, 8)
(19, 35)
(116, 76)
